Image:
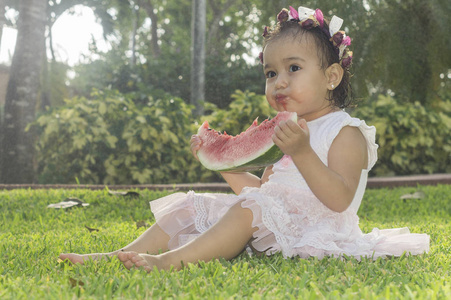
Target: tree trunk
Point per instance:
(198, 21)
(133, 37)
(22, 93)
(149, 8)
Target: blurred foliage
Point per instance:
(406, 48)
(412, 138)
(109, 139)
(245, 107)
(228, 67)
(388, 41)
(400, 47)
(54, 81)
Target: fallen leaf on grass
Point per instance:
(142, 224)
(91, 229)
(74, 282)
(416, 195)
(68, 203)
(130, 194)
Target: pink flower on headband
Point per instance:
(346, 41)
(340, 39)
(319, 17)
(265, 32)
(294, 13)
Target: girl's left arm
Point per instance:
(238, 181)
(334, 185)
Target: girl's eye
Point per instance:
(294, 68)
(270, 74)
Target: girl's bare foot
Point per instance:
(139, 260)
(81, 258)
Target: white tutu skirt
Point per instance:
(306, 228)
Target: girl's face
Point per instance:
(295, 81)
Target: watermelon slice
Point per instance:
(251, 150)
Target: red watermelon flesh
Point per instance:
(250, 150)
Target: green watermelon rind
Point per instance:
(271, 156)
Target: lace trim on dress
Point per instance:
(201, 220)
(290, 221)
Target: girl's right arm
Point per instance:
(237, 181)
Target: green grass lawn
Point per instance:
(32, 236)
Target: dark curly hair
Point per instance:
(341, 96)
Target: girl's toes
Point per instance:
(121, 256)
(140, 263)
(128, 264)
(129, 259)
(124, 256)
(143, 264)
(134, 260)
(137, 259)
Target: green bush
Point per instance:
(413, 139)
(108, 139)
(244, 108)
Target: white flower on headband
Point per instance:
(307, 18)
(335, 25)
(302, 14)
(305, 13)
(338, 37)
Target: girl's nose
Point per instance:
(281, 82)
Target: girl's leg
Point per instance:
(153, 241)
(226, 239)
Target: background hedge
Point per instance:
(110, 138)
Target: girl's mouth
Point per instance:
(282, 100)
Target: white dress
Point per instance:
(289, 217)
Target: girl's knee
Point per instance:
(242, 215)
(238, 209)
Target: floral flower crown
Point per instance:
(308, 19)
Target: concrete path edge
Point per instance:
(373, 182)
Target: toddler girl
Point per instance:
(304, 205)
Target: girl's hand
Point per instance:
(196, 142)
(292, 138)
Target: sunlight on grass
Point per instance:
(32, 236)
